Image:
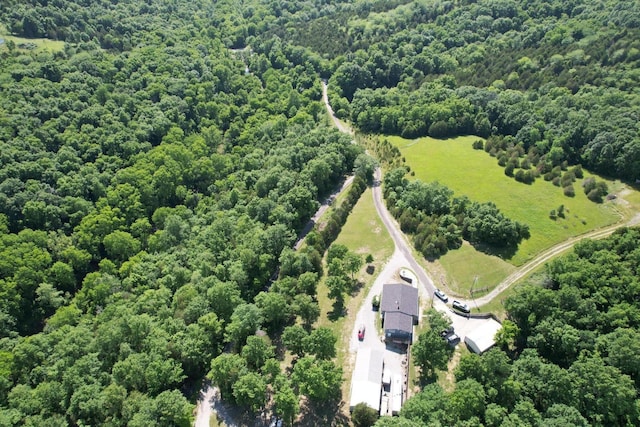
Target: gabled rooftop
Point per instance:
(401, 298)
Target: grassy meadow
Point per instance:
(474, 173)
(466, 267)
(41, 44)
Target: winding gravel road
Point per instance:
(550, 253)
(399, 239)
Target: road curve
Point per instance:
(399, 239)
(341, 127)
(404, 247)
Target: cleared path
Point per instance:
(550, 254)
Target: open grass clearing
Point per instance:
(454, 163)
(474, 173)
(39, 44)
(460, 271)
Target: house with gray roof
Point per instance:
(399, 311)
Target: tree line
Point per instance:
(439, 222)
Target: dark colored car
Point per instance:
(446, 332)
(453, 339)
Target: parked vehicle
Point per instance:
(441, 295)
(361, 332)
(453, 339)
(461, 306)
(446, 332)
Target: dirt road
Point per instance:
(344, 128)
(549, 254)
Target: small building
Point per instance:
(482, 338)
(396, 395)
(366, 382)
(399, 311)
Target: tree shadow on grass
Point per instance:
(505, 252)
(338, 311)
(329, 413)
(423, 379)
(356, 288)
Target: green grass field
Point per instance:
(474, 173)
(41, 44)
(363, 233)
(460, 271)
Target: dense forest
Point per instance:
(150, 189)
(559, 77)
(155, 172)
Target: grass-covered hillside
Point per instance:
(475, 174)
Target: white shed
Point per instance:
(366, 383)
(396, 395)
(482, 338)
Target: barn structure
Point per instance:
(482, 338)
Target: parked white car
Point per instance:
(441, 295)
(461, 306)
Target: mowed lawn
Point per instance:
(364, 234)
(466, 269)
(474, 173)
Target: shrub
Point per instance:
(588, 185)
(569, 191)
(508, 170)
(478, 144)
(567, 179)
(577, 171)
(439, 129)
(595, 191)
(594, 196)
(363, 416)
